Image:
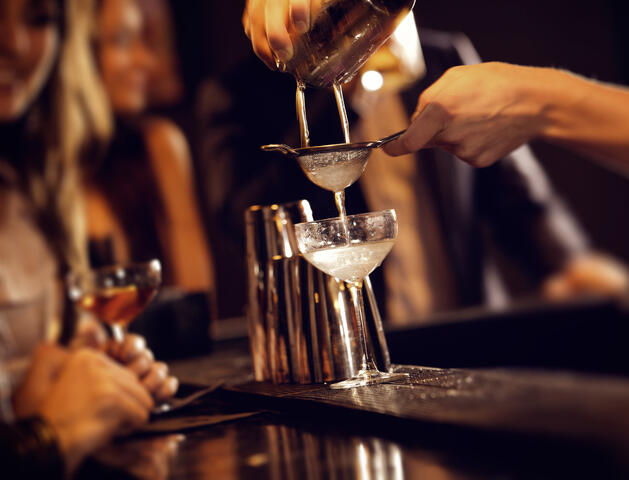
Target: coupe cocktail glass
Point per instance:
(116, 294)
(350, 248)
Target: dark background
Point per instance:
(589, 38)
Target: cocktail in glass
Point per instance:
(350, 248)
(116, 294)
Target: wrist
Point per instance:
(528, 98)
(560, 97)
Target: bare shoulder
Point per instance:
(166, 144)
(101, 219)
(102, 222)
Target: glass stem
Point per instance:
(117, 332)
(359, 307)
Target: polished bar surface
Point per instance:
(500, 424)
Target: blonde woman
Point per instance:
(71, 401)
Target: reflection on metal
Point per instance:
(302, 326)
(297, 454)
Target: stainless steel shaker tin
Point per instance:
(342, 36)
(302, 327)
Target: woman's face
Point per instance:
(124, 60)
(29, 40)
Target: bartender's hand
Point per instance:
(269, 25)
(133, 353)
(479, 113)
(588, 274)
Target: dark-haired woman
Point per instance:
(140, 189)
(142, 194)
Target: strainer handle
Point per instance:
(385, 140)
(280, 147)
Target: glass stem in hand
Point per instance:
(117, 331)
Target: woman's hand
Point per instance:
(46, 364)
(134, 354)
(86, 397)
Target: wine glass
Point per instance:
(116, 294)
(350, 248)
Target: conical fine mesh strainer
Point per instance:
(332, 167)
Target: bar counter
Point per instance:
(443, 424)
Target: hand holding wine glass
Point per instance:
(84, 396)
(133, 353)
(116, 294)
(92, 400)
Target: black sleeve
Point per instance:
(28, 449)
(524, 213)
(527, 216)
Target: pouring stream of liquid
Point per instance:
(339, 197)
(340, 104)
(300, 101)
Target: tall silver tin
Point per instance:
(302, 327)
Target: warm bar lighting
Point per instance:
(372, 80)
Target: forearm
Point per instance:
(585, 115)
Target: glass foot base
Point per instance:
(369, 377)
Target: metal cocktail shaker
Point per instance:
(342, 36)
(302, 327)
